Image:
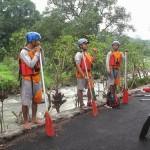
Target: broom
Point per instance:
(48, 121)
(125, 91)
(94, 107)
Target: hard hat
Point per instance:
(116, 42)
(31, 36)
(81, 41)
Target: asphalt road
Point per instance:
(112, 129)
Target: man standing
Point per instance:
(31, 91)
(113, 63)
(81, 66)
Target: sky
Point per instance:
(140, 15)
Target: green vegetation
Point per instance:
(61, 26)
(15, 15)
(8, 80)
(147, 63)
(138, 82)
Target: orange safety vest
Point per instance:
(32, 74)
(115, 60)
(88, 62)
(27, 72)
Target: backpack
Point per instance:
(115, 102)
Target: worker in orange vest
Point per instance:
(29, 62)
(113, 64)
(82, 79)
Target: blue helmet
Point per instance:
(31, 36)
(81, 41)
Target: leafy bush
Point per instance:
(138, 82)
(8, 80)
(2, 53)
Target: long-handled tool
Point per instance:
(94, 107)
(100, 93)
(142, 95)
(48, 121)
(144, 99)
(125, 98)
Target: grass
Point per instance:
(147, 64)
(8, 77)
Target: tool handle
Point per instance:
(87, 75)
(43, 82)
(125, 74)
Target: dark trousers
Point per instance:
(145, 128)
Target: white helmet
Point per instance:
(81, 41)
(116, 42)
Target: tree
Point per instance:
(136, 65)
(15, 15)
(50, 27)
(59, 66)
(83, 17)
(17, 42)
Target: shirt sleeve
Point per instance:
(123, 56)
(78, 58)
(107, 61)
(26, 58)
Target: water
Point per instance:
(13, 103)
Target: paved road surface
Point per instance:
(111, 130)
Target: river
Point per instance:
(13, 103)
